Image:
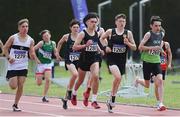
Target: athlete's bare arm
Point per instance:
(167, 45)
(129, 40)
(142, 46)
(77, 44)
(7, 46)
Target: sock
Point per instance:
(88, 90)
(94, 97)
(113, 98)
(74, 92)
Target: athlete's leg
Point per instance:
(94, 69)
(47, 76)
(117, 78)
(20, 80)
(13, 82)
(74, 75)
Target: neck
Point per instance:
(22, 35)
(74, 34)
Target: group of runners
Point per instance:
(83, 54)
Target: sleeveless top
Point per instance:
(19, 51)
(70, 54)
(119, 49)
(90, 52)
(152, 56)
(45, 53)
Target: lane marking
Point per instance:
(58, 106)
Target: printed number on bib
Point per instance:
(19, 54)
(74, 56)
(92, 48)
(119, 48)
(154, 52)
(47, 55)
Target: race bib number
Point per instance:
(47, 55)
(119, 48)
(92, 48)
(20, 54)
(74, 56)
(154, 52)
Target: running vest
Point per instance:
(119, 49)
(91, 51)
(164, 58)
(44, 53)
(70, 53)
(19, 51)
(152, 56)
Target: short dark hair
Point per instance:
(44, 31)
(155, 18)
(73, 22)
(120, 16)
(89, 16)
(20, 22)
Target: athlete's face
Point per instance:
(120, 22)
(46, 36)
(74, 28)
(23, 28)
(92, 23)
(156, 26)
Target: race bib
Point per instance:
(118, 48)
(163, 60)
(154, 52)
(19, 54)
(92, 48)
(74, 56)
(47, 55)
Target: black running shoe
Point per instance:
(44, 99)
(15, 108)
(64, 103)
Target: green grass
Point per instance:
(171, 93)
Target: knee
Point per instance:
(13, 85)
(75, 75)
(146, 84)
(39, 83)
(118, 79)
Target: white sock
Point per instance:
(94, 98)
(74, 92)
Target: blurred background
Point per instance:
(55, 15)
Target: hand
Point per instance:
(170, 66)
(11, 60)
(126, 41)
(102, 52)
(108, 49)
(89, 42)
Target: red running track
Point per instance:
(32, 106)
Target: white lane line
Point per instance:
(34, 112)
(58, 106)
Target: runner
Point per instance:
(150, 48)
(87, 42)
(71, 57)
(16, 50)
(45, 49)
(86, 94)
(118, 40)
